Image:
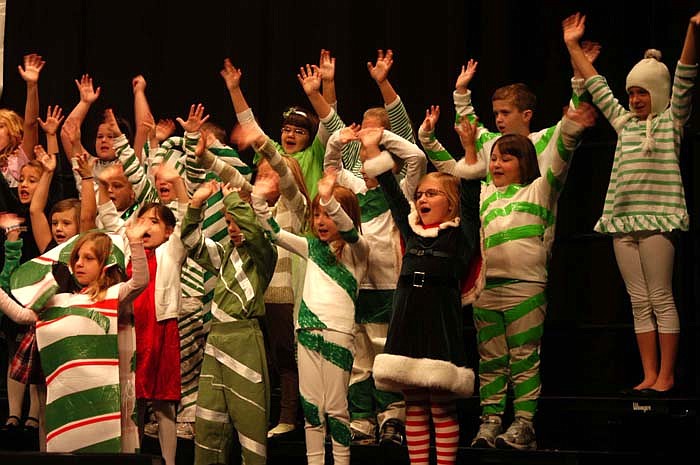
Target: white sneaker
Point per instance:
(282, 428)
(520, 435)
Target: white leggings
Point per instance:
(645, 260)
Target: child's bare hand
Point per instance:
(432, 115)
(195, 118)
(231, 74)
(54, 116)
(466, 75)
(88, 94)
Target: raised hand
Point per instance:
(53, 120)
(349, 133)
(164, 129)
(85, 166)
(591, 50)
(195, 118)
(111, 123)
(9, 220)
(231, 75)
(432, 115)
(327, 182)
(48, 160)
(585, 114)
(310, 78)
(573, 28)
(138, 84)
(203, 192)
(379, 71)
(326, 65)
(467, 132)
(33, 64)
(72, 130)
(88, 93)
(466, 75)
(245, 135)
(136, 229)
(370, 136)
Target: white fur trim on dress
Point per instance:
(379, 164)
(395, 373)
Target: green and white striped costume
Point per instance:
(517, 228)
(324, 327)
(371, 407)
(234, 384)
(86, 349)
(646, 190)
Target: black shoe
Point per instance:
(31, 435)
(11, 434)
(654, 394)
(393, 433)
(631, 392)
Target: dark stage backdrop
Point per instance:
(180, 52)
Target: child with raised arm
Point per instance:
(645, 202)
(425, 356)
(233, 386)
(290, 206)
(517, 210)
(336, 258)
(81, 320)
(301, 137)
(11, 226)
(375, 414)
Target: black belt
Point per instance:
(421, 279)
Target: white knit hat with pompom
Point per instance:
(653, 76)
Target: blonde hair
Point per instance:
(381, 114)
(15, 130)
(450, 185)
(348, 202)
(109, 276)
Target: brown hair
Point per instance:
(350, 205)
(215, 129)
(162, 213)
(520, 147)
(518, 94)
(298, 174)
(109, 276)
(380, 114)
(300, 116)
(67, 205)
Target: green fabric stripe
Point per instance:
(492, 283)
(385, 399)
(31, 272)
(310, 412)
(322, 255)
(83, 346)
(520, 390)
(340, 431)
(525, 364)
(530, 336)
(512, 234)
(372, 204)
(522, 207)
(360, 401)
(337, 355)
(525, 307)
(350, 237)
(81, 405)
(497, 386)
(440, 155)
(495, 364)
(92, 314)
(508, 193)
(494, 329)
(308, 319)
(544, 140)
(658, 193)
(553, 181)
(525, 406)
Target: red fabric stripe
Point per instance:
(418, 443)
(445, 424)
(107, 304)
(39, 324)
(68, 366)
(79, 424)
(440, 435)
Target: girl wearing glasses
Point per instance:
(425, 355)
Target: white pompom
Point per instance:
(653, 53)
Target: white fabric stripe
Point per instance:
(252, 445)
(84, 436)
(69, 325)
(241, 277)
(229, 389)
(212, 415)
(80, 379)
(199, 444)
(219, 314)
(233, 364)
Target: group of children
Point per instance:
(164, 282)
